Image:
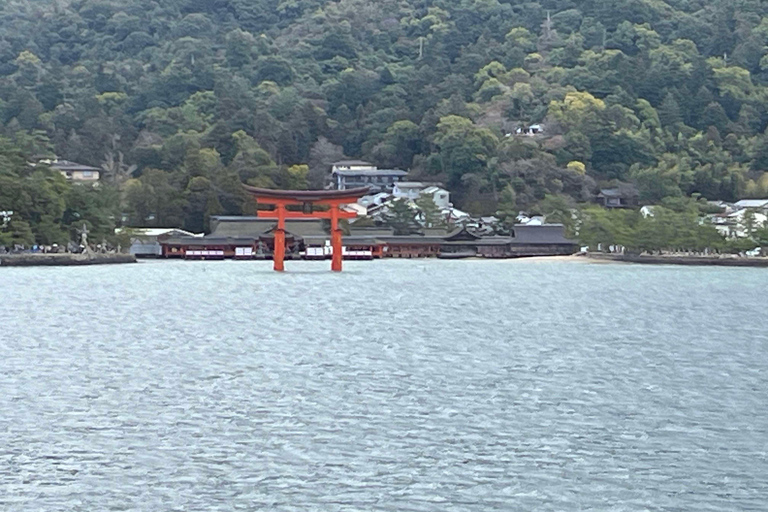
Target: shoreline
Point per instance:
(64, 260)
(48, 260)
(706, 261)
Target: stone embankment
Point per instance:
(723, 261)
(34, 260)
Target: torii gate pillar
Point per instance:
(307, 200)
(336, 245)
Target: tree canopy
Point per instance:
(179, 101)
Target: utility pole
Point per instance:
(421, 47)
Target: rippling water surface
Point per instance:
(396, 386)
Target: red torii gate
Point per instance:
(307, 199)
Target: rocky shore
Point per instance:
(723, 261)
(34, 260)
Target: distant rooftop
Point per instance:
(751, 203)
(372, 172)
(152, 232)
(66, 165)
(623, 190)
(544, 234)
(347, 163)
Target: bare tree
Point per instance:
(321, 155)
(114, 166)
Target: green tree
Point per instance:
(202, 202)
(431, 215)
(17, 232)
(401, 217)
(462, 147)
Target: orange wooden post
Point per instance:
(335, 239)
(279, 253)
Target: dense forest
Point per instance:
(179, 101)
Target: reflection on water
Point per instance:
(397, 385)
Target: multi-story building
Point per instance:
(357, 173)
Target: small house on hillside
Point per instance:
(532, 130)
(72, 171)
(622, 196)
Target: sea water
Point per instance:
(397, 385)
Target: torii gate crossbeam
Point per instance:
(307, 199)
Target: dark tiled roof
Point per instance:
(435, 232)
(371, 231)
(462, 234)
(302, 228)
(411, 239)
(624, 190)
(207, 240)
(244, 230)
(240, 226)
(546, 234)
(254, 227)
(66, 165)
(486, 240)
(317, 239)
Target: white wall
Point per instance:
(442, 198)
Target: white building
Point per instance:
(414, 189)
(455, 216)
(440, 196)
(533, 220)
(737, 224)
(752, 204)
(347, 174)
(145, 242)
(352, 165)
(374, 200)
(355, 208)
(408, 189)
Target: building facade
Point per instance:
(251, 238)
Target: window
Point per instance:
(87, 174)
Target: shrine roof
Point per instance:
(545, 234)
(256, 227)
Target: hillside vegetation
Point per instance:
(181, 100)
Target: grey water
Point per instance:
(394, 386)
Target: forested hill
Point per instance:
(180, 100)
